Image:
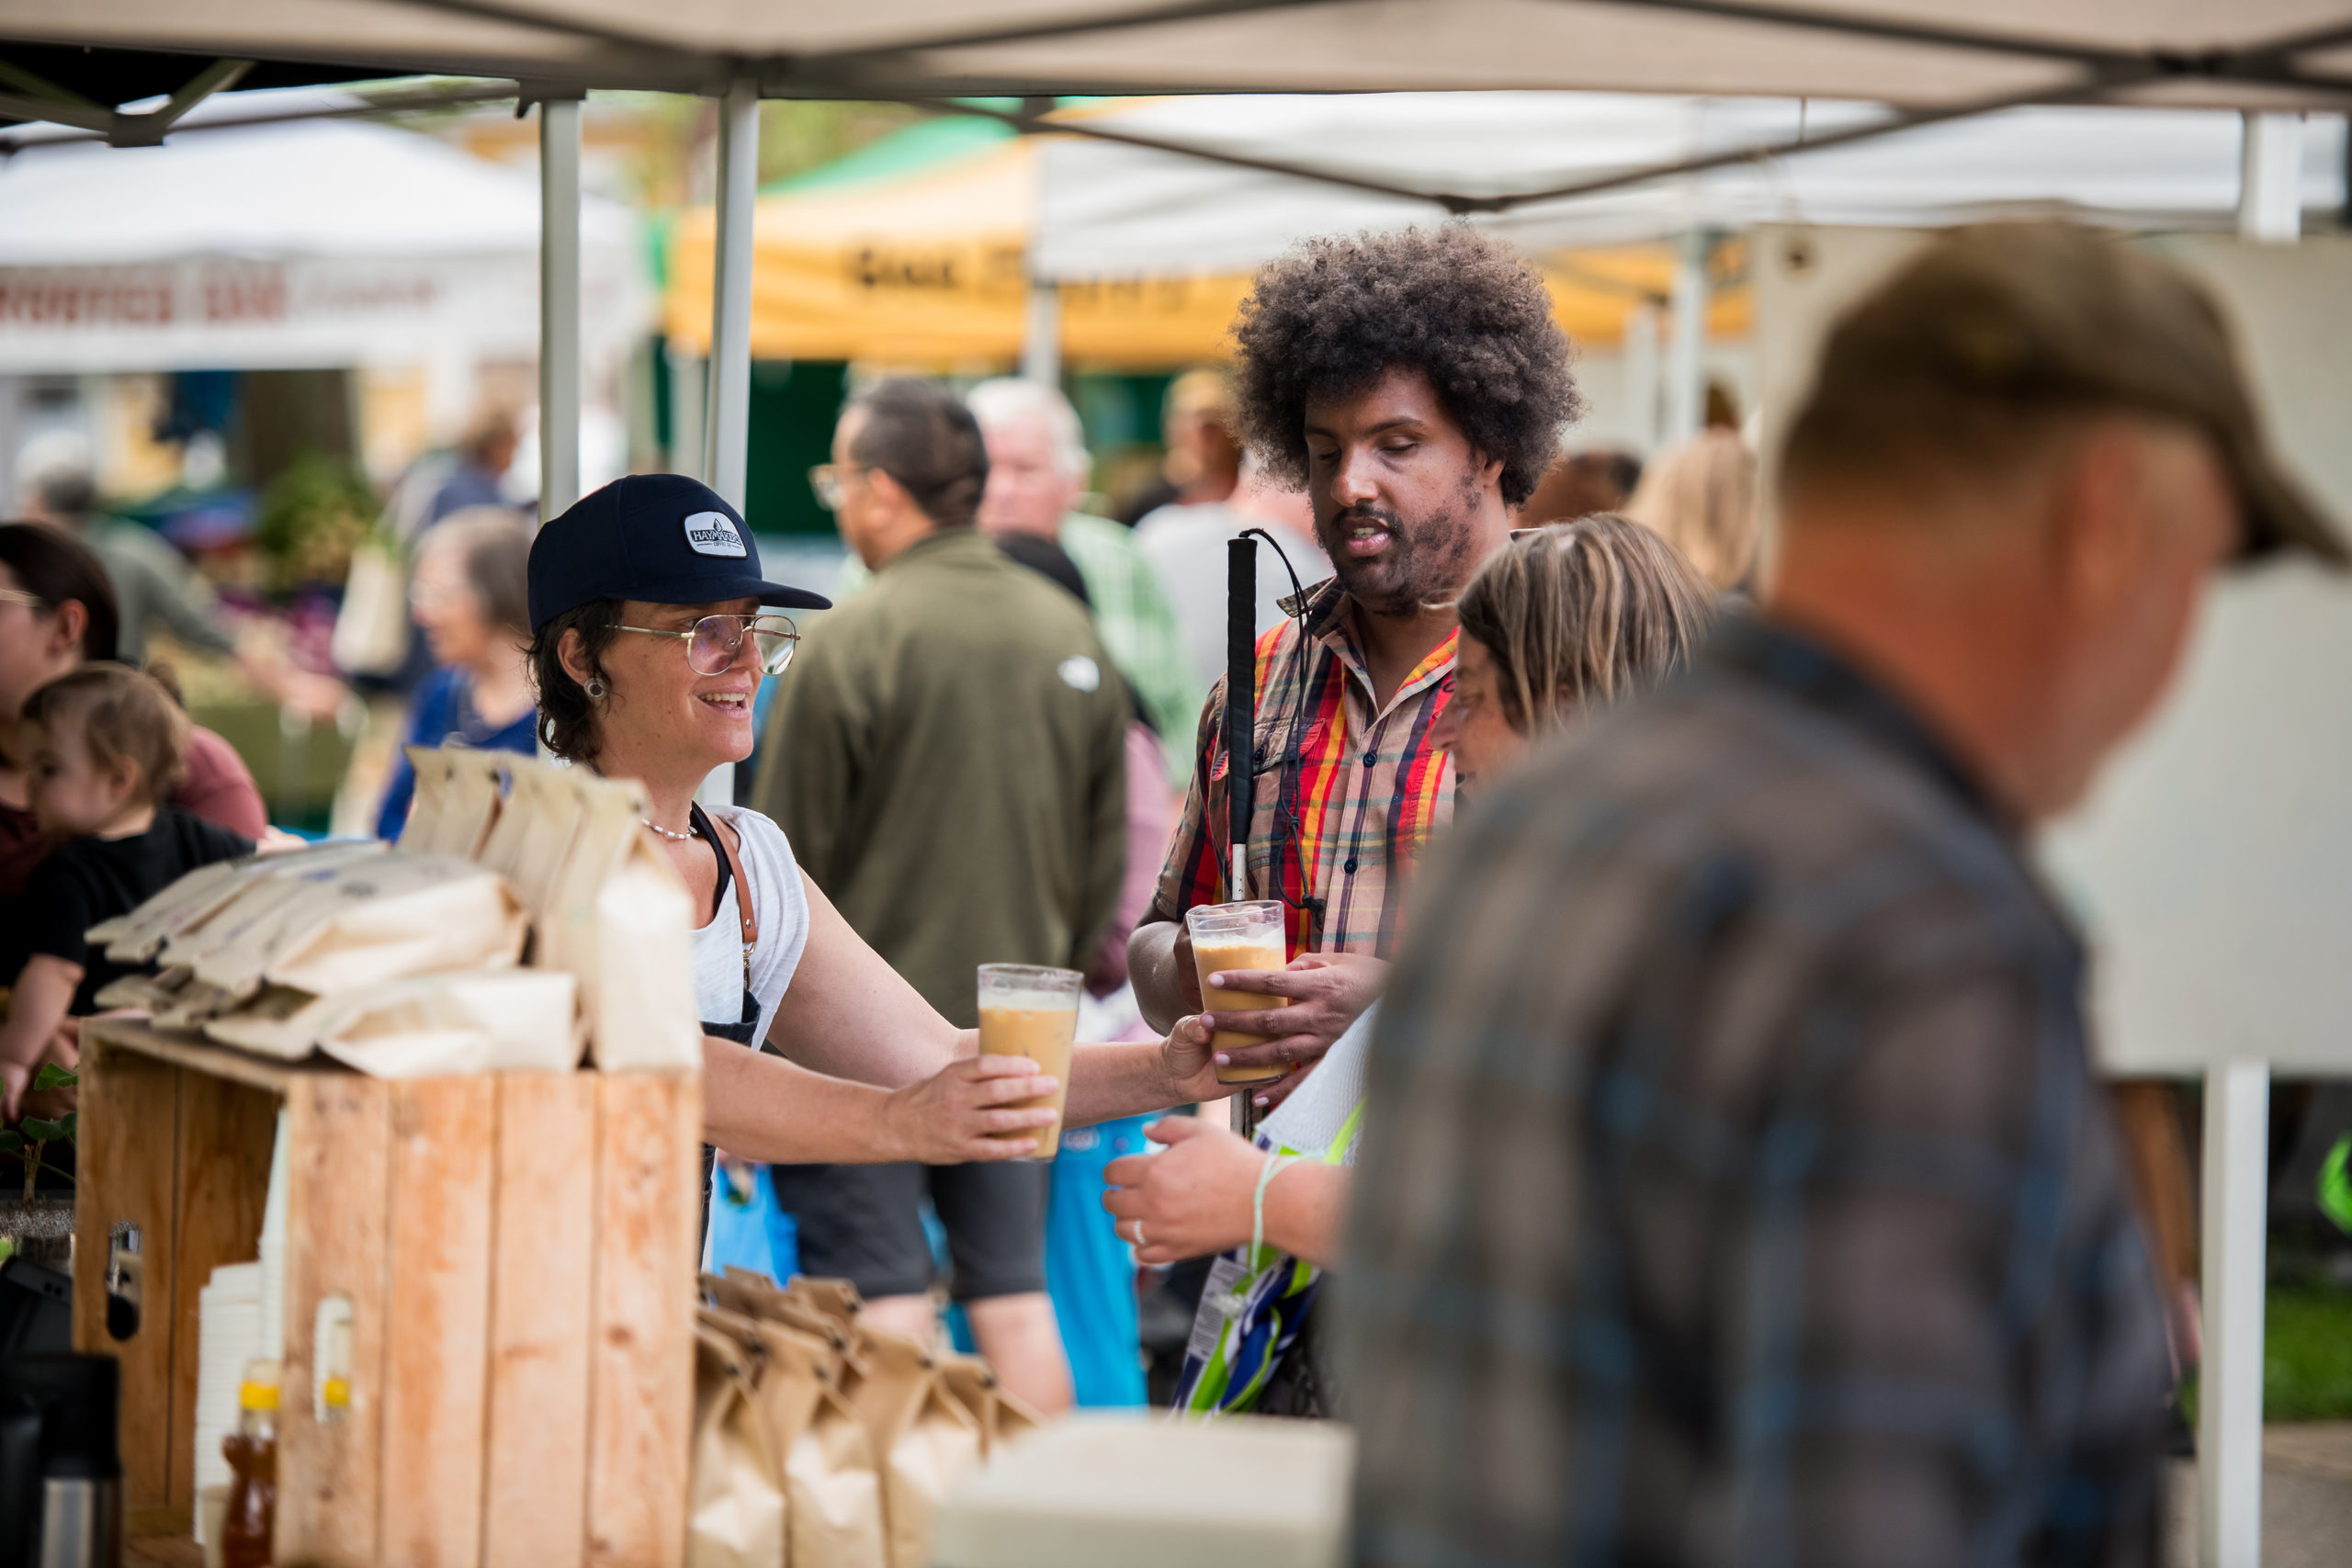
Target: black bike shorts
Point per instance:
(863, 1223)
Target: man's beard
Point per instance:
(1426, 561)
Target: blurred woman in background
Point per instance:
(470, 598)
(1701, 497)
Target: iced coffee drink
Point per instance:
(1238, 936)
(1032, 1012)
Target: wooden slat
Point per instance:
(160, 1523)
(337, 1220)
(649, 1157)
(216, 1061)
(542, 1279)
(437, 1334)
(225, 1133)
(123, 1160)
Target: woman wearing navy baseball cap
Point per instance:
(649, 644)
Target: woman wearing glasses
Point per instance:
(652, 629)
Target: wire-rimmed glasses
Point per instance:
(713, 642)
(827, 480)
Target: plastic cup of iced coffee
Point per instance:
(1026, 1010)
(1238, 936)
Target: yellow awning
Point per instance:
(929, 268)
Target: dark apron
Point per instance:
(744, 1030)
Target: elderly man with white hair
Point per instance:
(1037, 470)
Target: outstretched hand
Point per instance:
(1189, 1064)
(1189, 1199)
(965, 1113)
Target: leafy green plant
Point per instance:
(312, 516)
(34, 1133)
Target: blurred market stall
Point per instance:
(315, 245)
(922, 249)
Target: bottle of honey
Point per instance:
(249, 1524)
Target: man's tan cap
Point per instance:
(2064, 317)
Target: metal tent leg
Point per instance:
(1686, 382)
(2229, 1414)
(728, 409)
(2270, 189)
(559, 305)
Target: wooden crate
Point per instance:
(517, 1253)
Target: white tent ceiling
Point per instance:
(1113, 209)
(1919, 54)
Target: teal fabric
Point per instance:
(1089, 1272)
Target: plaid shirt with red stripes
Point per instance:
(1347, 792)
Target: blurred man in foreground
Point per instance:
(1737, 1189)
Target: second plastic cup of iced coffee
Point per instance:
(1238, 936)
(1030, 1012)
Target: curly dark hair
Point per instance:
(568, 719)
(1335, 314)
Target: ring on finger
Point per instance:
(1138, 1236)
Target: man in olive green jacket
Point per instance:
(946, 757)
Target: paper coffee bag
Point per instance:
(533, 835)
(431, 793)
(736, 1504)
(469, 804)
(939, 1445)
(1003, 1419)
(620, 920)
(372, 921)
(181, 911)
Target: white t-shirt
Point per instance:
(1186, 544)
(1317, 1110)
(780, 904)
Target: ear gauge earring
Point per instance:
(595, 690)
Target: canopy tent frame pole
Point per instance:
(2270, 191)
(726, 409)
(727, 403)
(2236, 1208)
(2229, 1414)
(39, 99)
(367, 105)
(1041, 333)
(559, 300)
(689, 378)
(1686, 401)
(1640, 359)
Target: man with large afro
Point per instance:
(1415, 385)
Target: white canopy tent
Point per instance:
(2255, 54)
(1115, 210)
(1219, 185)
(318, 244)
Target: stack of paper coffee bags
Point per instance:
(523, 915)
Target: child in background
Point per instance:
(110, 747)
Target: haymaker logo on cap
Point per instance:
(713, 534)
